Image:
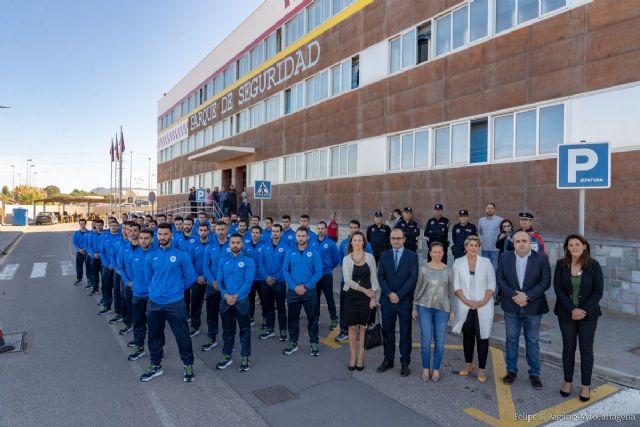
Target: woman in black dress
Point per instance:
(361, 285)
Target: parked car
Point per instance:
(46, 218)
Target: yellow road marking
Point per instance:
(506, 408)
(330, 340)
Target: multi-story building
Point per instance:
(361, 105)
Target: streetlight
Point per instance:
(149, 179)
(26, 177)
(19, 179)
(33, 179)
(13, 177)
(31, 172)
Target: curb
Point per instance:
(6, 250)
(602, 372)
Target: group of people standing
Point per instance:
(167, 268)
(226, 201)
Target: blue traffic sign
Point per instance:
(200, 195)
(582, 166)
(262, 190)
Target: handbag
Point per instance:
(373, 336)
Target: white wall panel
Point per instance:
(374, 63)
(372, 156)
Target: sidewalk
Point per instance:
(8, 236)
(616, 338)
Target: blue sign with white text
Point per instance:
(200, 195)
(582, 166)
(262, 190)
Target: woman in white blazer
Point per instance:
(361, 285)
(474, 281)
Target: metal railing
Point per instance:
(184, 208)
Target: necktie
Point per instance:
(395, 258)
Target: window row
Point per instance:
(520, 134)
(472, 21)
(304, 21)
(182, 185)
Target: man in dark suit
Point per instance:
(398, 275)
(523, 277)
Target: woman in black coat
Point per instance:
(579, 285)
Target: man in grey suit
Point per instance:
(523, 277)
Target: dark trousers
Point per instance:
(310, 303)
(239, 312)
(118, 296)
(83, 260)
(213, 298)
(343, 324)
(107, 287)
(275, 297)
(325, 286)
(176, 315)
(127, 316)
(402, 313)
(584, 332)
(96, 268)
(139, 315)
(197, 298)
(256, 288)
(471, 337)
(187, 300)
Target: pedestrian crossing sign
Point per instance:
(262, 190)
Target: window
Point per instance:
(295, 28)
(403, 51)
(218, 84)
(317, 13)
(395, 50)
(443, 35)
(355, 72)
(336, 79)
(199, 140)
(229, 75)
(316, 164)
(272, 171)
(424, 42)
(421, 153)
(442, 146)
(294, 98)
(395, 153)
(526, 133)
(346, 75)
(217, 132)
(344, 160)
(478, 141)
(210, 89)
(479, 18)
(551, 5)
(459, 143)
(293, 168)
(409, 150)
(192, 143)
(257, 56)
(272, 44)
(460, 27)
(208, 135)
(317, 88)
(243, 65)
(551, 128)
(254, 173)
(242, 121)
(527, 10)
(257, 115)
(226, 128)
(273, 107)
(503, 137)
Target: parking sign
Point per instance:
(200, 195)
(262, 190)
(583, 166)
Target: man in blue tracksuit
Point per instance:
(135, 267)
(126, 248)
(105, 245)
(301, 270)
(80, 244)
(330, 259)
(118, 285)
(235, 276)
(252, 249)
(218, 250)
(169, 272)
(288, 236)
(93, 249)
(304, 222)
(354, 225)
(198, 252)
(266, 231)
(185, 242)
(274, 288)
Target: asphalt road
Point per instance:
(73, 371)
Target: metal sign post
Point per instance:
(262, 191)
(582, 166)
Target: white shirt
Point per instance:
(521, 267)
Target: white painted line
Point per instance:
(39, 270)
(621, 407)
(67, 267)
(9, 271)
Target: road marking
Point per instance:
(39, 270)
(9, 271)
(67, 267)
(507, 410)
(330, 340)
(620, 407)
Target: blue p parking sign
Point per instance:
(200, 195)
(583, 166)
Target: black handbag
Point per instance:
(373, 336)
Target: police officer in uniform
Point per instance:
(460, 232)
(410, 229)
(378, 235)
(526, 224)
(437, 230)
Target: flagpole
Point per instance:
(111, 181)
(121, 158)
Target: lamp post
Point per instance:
(31, 172)
(13, 177)
(26, 177)
(33, 179)
(149, 178)
(19, 179)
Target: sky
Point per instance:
(74, 71)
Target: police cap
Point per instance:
(463, 212)
(407, 209)
(378, 213)
(438, 207)
(525, 215)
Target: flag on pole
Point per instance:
(121, 141)
(117, 149)
(112, 152)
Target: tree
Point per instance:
(52, 191)
(6, 195)
(26, 194)
(77, 192)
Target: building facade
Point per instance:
(355, 106)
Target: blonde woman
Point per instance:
(361, 286)
(474, 281)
